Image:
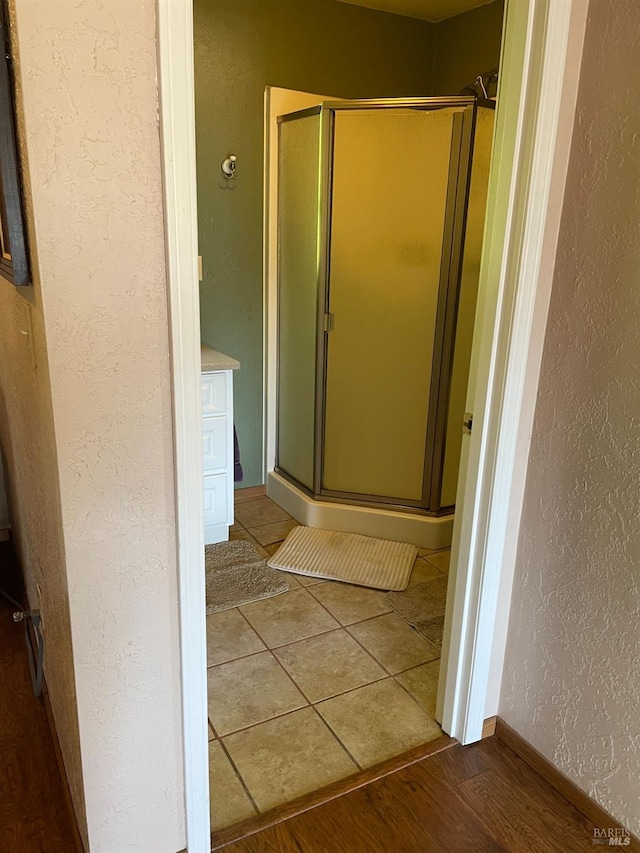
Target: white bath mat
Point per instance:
(347, 557)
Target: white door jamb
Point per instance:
(177, 110)
(536, 103)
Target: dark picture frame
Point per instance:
(14, 257)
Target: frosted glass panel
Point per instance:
(467, 303)
(389, 199)
(298, 215)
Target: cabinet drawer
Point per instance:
(216, 500)
(215, 443)
(214, 393)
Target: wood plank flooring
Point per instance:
(481, 797)
(33, 813)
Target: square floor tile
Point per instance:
(328, 664)
(259, 511)
(245, 536)
(229, 802)
(229, 636)
(440, 559)
(396, 645)
(288, 757)
(286, 618)
(423, 571)
(378, 721)
(248, 493)
(248, 691)
(422, 683)
(268, 534)
(348, 603)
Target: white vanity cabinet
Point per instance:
(217, 443)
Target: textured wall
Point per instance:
(315, 46)
(26, 436)
(28, 445)
(571, 684)
(88, 74)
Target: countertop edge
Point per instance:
(212, 360)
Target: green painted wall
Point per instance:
(466, 46)
(315, 46)
(241, 47)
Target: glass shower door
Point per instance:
(298, 292)
(391, 193)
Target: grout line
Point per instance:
(290, 677)
(379, 662)
(315, 702)
(356, 621)
(277, 520)
(277, 542)
(365, 649)
(309, 704)
(268, 720)
(346, 628)
(415, 699)
(304, 639)
(343, 745)
(251, 626)
(240, 657)
(417, 666)
(309, 637)
(240, 777)
(267, 523)
(382, 677)
(281, 645)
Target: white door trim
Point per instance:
(529, 173)
(536, 105)
(177, 113)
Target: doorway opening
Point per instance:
(376, 207)
(540, 70)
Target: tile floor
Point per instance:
(312, 685)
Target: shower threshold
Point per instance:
(419, 530)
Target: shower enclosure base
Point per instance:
(422, 531)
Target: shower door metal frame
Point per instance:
(458, 187)
(448, 292)
(441, 379)
(322, 274)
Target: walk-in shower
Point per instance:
(381, 210)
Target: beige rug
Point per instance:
(236, 574)
(347, 557)
(423, 606)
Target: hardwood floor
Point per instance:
(33, 813)
(481, 798)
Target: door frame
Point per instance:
(540, 67)
(542, 49)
